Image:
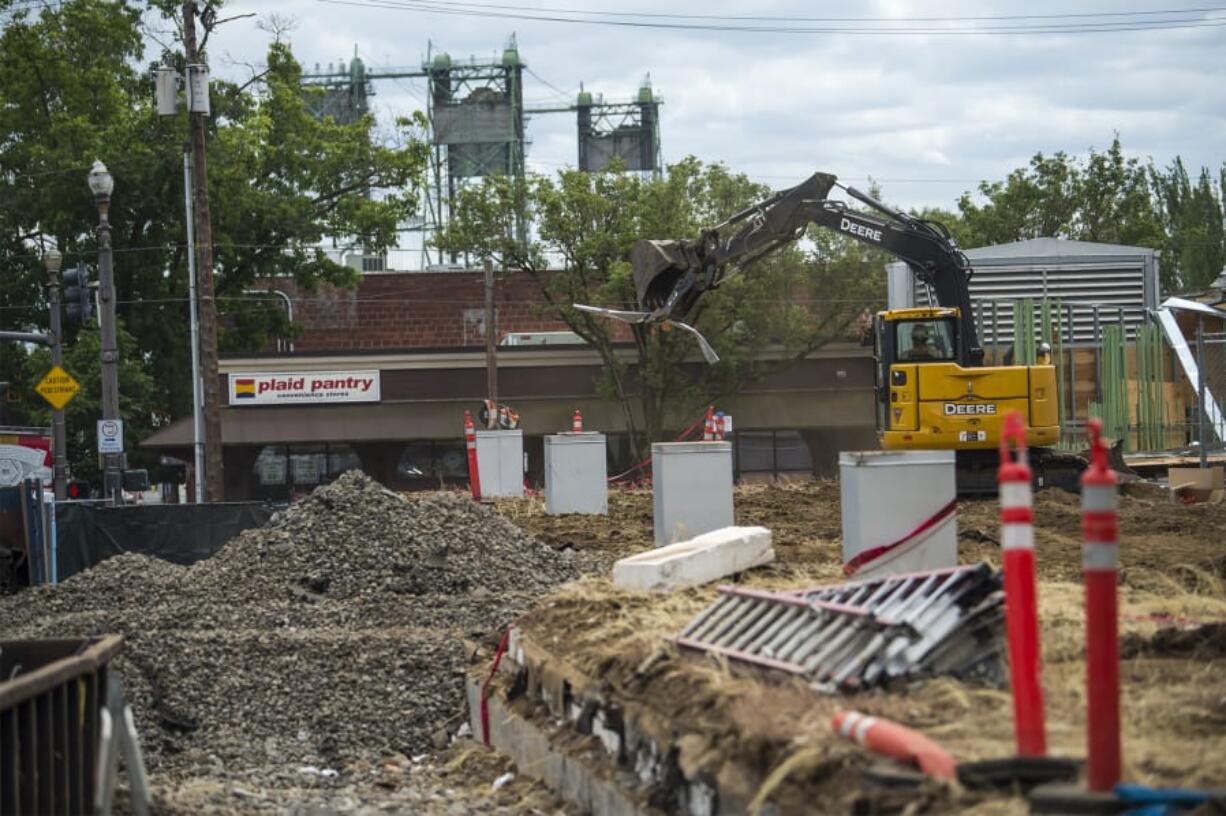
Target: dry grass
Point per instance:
(777, 731)
(1174, 709)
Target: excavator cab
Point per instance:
(931, 395)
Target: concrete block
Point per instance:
(700, 560)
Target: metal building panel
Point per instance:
(500, 463)
(1114, 285)
(576, 478)
(473, 123)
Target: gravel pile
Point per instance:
(335, 633)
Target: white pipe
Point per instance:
(289, 311)
(197, 385)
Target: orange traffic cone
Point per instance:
(897, 742)
(708, 429)
(576, 422)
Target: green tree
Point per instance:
(137, 398)
(1104, 197)
(1192, 213)
(760, 321)
(75, 86)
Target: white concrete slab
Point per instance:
(700, 560)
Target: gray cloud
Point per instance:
(901, 109)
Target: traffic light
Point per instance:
(78, 489)
(78, 300)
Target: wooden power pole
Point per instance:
(197, 81)
(491, 341)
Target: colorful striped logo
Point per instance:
(244, 389)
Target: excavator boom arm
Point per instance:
(670, 276)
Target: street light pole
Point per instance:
(52, 259)
(101, 183)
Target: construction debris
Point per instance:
(335, 635)
(700, 560)
(864, 633)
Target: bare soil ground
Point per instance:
(770, 738)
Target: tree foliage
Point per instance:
(137, 397)
(1103, 198)
(759, 321)
(1193, 218)
(1109, 198)
(75, 85)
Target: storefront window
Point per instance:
(281, 471)
(426, 464)
(271, 467)
(417, 462)
(308, 465)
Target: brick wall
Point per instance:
(414, 310)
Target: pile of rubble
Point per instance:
(335, 633)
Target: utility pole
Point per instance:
(491, 335)
(197, 402)
(197, 88)
(59, 436)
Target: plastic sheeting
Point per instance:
(179, 533)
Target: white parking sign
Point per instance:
(110, 436)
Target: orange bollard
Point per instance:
(708, 429)
(1021, 595)
(470, 442)
(897, 742)
(1100, 562)
(576, 422)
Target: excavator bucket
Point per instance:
(658, 266)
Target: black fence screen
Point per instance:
(179, 533)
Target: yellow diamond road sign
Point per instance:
(58, 387)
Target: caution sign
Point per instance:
(58, 387)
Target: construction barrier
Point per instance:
(1021, 596)
(470, 442)
(179, 533)
(1101, 562)
(896, 741)
(50, 715)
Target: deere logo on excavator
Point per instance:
(952, 408)
(847, 225)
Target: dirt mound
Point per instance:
(335, 632)
(803, 517)
(1162, 545)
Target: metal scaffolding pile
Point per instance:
(864, 633)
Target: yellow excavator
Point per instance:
(933, 390)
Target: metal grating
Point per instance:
(863, 633)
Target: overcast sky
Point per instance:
(927, 115)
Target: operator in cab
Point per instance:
(921, 344)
